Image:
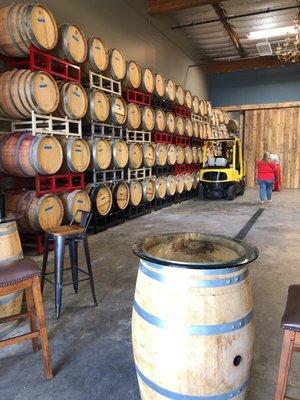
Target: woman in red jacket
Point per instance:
(265, 177)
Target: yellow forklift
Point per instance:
(223, 172)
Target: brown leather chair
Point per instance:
(24, 274)
(291, 339)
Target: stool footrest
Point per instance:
(14, 317)
(18, 339)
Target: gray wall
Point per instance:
(272, 85)
(125, 24)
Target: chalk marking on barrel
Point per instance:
(194, 329)
(178, 396)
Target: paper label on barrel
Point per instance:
(40, 19)
(76, 94)
(78, 150)
(97, 47)
(80, 201)
(47, 147)
(43, 85)
(48, 208)
(75, 38)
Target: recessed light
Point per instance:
(267, 33)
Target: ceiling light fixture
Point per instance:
(274, 32)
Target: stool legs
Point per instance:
(32, 317)
(89, 267)
(59, 252)
(73, 249)
(284, 365)
(45, 260)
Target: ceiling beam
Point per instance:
(231, 32)
(245, 64)
(157, 7)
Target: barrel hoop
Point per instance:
(10, 30)
(11, 96)
(199, 330)
(28, 110)
(18, 162)
(179, 396)
(202, 272)
(196, 283)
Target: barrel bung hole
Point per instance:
(237, 360)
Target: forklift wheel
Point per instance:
(231, 192)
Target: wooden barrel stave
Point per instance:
(159, 88)
(148, 154)
(117, 110)
(133, 77)
(73, 202)
(97, 56)
(147, 82)
(116, 64)
(148, 189)
(135, 155)
(101, 198)
(77, 154)
(161, 187)
(101, 153)
(171, 185)
(136, 193)
(160, 120)
(134, 116)
(98, 106)
(72, 44)
(171, 152)
(161, 154)
(120, 153)
(148, 118)
(179, 183)
(73, 100)
(170, 90)
(121, 194)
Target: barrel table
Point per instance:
(192, 321)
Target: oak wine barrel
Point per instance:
(73, 102)
(135, 155)
(188, 155)
(148, 154)
(74, 201)
(10, 244)
(161, 187)
(97, 56)
(195, 154)
(161, 154)
(120, 153)
(188, 127)
(77, 155)
(200, 130)
(22, 91)
(202, 108)
(121, 194)
(179, 183)
(196, 178)
(170, 90)
(171, 185)
(148, 189)
(136, 193)
(133, 77)
(25, 155)
(117, 110)
(101, 198)
(159, 87)
(72, 44)
(200, 155)
(101, 153)
(148, 118)
(188, 98)
(195, 129)
(148, 82)
(195, 105)
(188, 182)
(38, 214)
(116, 65)
(134, 116)
(171, 154)
(179, 96)
(209, 132)
(24, 24)
(170, 122)
(160, 120)
(10, 304)
(180, 155)
(204, 131)
(179, 126)
(98, 106)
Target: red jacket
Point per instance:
(265, 171)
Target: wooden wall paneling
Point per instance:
(297, 155)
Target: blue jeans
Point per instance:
(265, 191)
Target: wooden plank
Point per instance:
(157, 7)
(260, 106)
(244, 64)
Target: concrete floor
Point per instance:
(91, 347)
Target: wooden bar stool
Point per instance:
(24, 274)
(291, 339)
(71, 235)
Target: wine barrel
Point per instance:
(188, 155)
(200, 130)
(73, 101)
(170, 90)
(148, 189)
(72, 44)
(161, 187)
(179, 183)
(209, 132)
(195, 129)
(180, 155)
(170, 122)
(101, 198)
(77, 154)
(98, 106)
(188, 127)
(121, 194)
(74, 201)
(25, 155)
(23, 91)
(101, 153)
(188, 99)
(195, 105)
(23, 25)
(171, 154)
(148, 118)
(148, 154)
(116, 64)
(97, 56)
(160, 120)
(148, 82)
(133, 77)
(134, 116)
(195, 154)
(179, 98)
(120, 153)
(233, 126)
(188, 182)
(179, 126)
(161, 154)
(10, 244)
(117, 110)
(204, 131)
(200, 155)
(193, 329)
(196, 178)
(209, 108)
(202, 108)
(135, 155)
(159, 88)
(38, 214)
(136, 193)
(171, 185)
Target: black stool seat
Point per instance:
(291, 316)
(18, 271)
